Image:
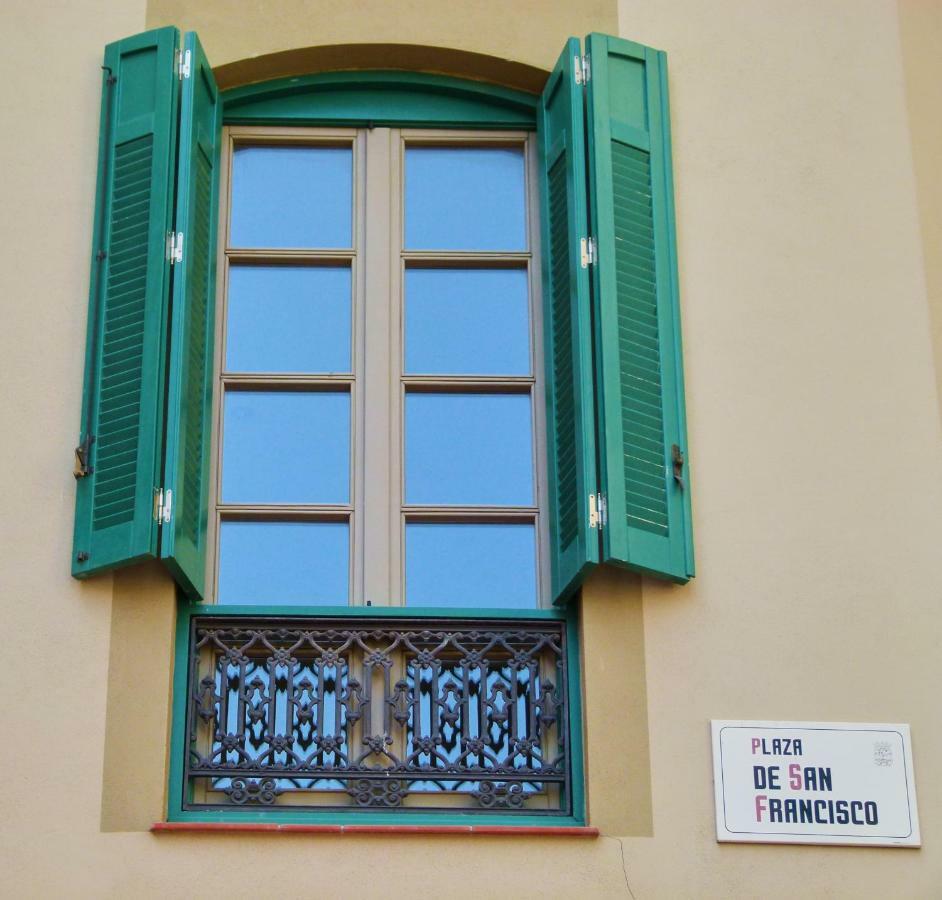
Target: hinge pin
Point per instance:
(597, 511)
(588, 252)
(581, 70)
(175, 247)
(163, 501)
(183, 64)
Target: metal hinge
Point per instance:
(175, 247)
(598, 511)
(163, 504)
(588, 252)
(582, 69)
(183, 64)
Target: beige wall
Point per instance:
(813, 434)
(524, 31)
(814, 441)
(921, 36)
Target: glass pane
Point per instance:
(476, 566)
(286, 447)
(469, 449)
(288, 319)
(284, 562)
(292, 197)
(467, 322)
(465, 198)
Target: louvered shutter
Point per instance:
(122, 423)
(644, 468)
(567, 326)
(190, 385)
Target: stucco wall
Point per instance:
(814, 444)
(921, 36)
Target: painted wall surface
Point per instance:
(814, 440)
(921, 35)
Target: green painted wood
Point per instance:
(378, 612)
(192, 317)
(389, 98)
(123, 394)
(181, 662)
(570, 432)
(639, 372)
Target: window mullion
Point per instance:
(376, 549)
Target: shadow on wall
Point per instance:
(411, 57)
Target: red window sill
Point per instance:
(274, 828)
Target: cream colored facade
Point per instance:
(809, 196)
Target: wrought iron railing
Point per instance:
(378, 713)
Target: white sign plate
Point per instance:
(814, 783)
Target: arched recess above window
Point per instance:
(380, 97)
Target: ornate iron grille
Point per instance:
(378, 713)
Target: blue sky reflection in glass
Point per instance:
(473, 449)
(284, 562)
(286, 447)
(288, 319)
(465, 198)
(471, 566)
(292, 197)
(467, 322)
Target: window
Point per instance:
(375, 452)
(379, 406)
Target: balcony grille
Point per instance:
(378, 713)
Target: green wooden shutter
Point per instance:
(122, 420)
(190, 382)
(638, 353)
(570, 428)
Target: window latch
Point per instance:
(82, 454)
(677, 458)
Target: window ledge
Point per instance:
(275, 828)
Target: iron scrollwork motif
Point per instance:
(378, 714)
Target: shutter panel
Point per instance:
(567, 326)
(122, 426)
(635, 301)
(190, 384)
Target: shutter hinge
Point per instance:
(183, 64)
(598, 511)
(163, 504)
(588, 252)
(175, 247)
(582, 69)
